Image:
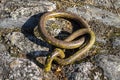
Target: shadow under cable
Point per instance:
(28, 30)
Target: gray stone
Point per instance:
(2, 48)
(84, 71)
(27, 46)
(18, 69)
(24, 69)
(12, 68)
(26, 13)
(110, 64)
(90, 12)
(11, 23)
(4, 67)
(107, 3)
(116, 42)
(15, 13)
(117, 4)
(103, 3)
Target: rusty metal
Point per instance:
(58, 55)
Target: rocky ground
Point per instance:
(23, 51)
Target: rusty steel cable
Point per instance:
(83, 43)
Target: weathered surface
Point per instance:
(24, 69)
(106, 26)
(116, 42)
(2, 47)
(15, 13)
(4, 68)
(93, 13)
(101, 3)
(110, 64)
(84, 71)
(13, 68)
(24, 44)
(103, 17)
